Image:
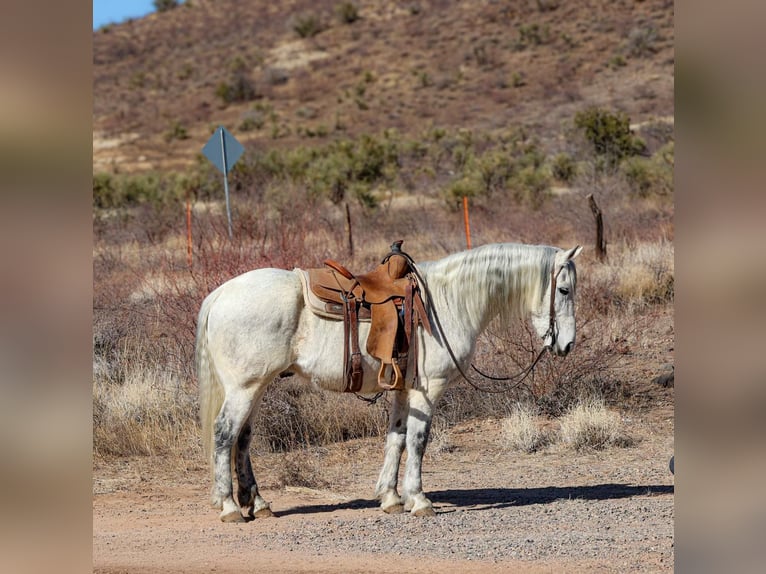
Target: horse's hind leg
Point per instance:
(390, 501)
(250, 501)
(229, 423)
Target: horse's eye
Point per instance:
(563, 290)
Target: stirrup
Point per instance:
(398, 383)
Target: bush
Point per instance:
(532, 186)
(564, 168)
(589, 425)
(103, 190)
(165, 5)
(177, 131)
(347, 12)
(521, 432)
(238, 89)
(609, 134)
(653, 176)
(641, 41)
(307, 25)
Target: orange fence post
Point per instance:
(465, 220)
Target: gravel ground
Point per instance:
(552, 511)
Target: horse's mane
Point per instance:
(506, 279)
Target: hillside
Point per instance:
(163, 82)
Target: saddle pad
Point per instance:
(323, 309)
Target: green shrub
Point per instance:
(531, 185)
(103, 190)
(609, 134)
(468, 185)
(641, 41)
(652, 176)
(307, 25)
(347, 12)
(177, 131)
(239, 88)
(564, 168)
(532, 35)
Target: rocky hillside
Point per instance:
(297, 71)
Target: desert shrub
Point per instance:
(532, 186)
(177, 131)
(239, 88)
(147, 413)
(547, 5)
(294, 415)
(250, 123)
(645, 275)
(521, 431)
(103, 190)
(467, 185)
(641, 42)
(647, 177)
(650, 176)
(165, 5)
(609, 134)
(347, 12)
(532, 35)
(564, 167)
(300, 468)
(307, 25)
(589, 425)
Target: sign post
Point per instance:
(223, 150)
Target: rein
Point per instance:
(524, 373)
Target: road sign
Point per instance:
(223, 150)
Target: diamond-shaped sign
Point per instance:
(223, 150)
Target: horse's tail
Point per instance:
(209, 387)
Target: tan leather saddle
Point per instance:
(389, 297)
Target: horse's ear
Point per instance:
(574, 252)
(562, 257)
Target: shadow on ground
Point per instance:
(484, 498)
(504, 497)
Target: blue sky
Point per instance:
(108, 11)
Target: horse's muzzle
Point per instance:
(561, 352)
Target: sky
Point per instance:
(114, 11)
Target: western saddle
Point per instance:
(389, 298)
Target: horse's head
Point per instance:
(555, 319)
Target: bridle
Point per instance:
(522, 375)
(526, 372)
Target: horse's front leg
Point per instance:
(421, 406)
(385, 490)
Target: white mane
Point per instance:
(505, 279)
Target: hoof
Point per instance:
(264, 513)
(394, 509)
(427, 511)
(233, 517)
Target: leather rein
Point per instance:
(522, 374)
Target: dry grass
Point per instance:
(589, 425)
(300, 468)
(147, 413)
(521, 430)
(644, 273)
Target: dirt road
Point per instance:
(497, 511)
